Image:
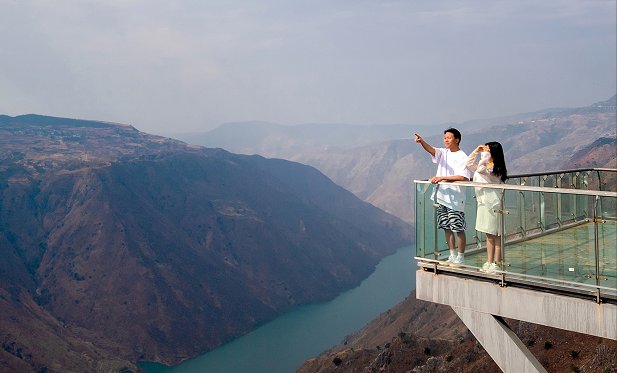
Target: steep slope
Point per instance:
(602, 153)
(130, 247)
(418, 336)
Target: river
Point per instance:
(283, 344)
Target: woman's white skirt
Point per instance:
(487, 220)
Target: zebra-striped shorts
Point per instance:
(450, 219)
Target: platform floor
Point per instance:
(567, 255)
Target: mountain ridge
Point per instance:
(345, 136)
(381, 171)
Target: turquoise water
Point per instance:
(283, 344)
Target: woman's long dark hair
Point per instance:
(499, 161)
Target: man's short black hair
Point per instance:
(455, 132)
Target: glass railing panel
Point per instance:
(549, 210)
(421, 220)
(607, 253)
(604, 180)
(522, 216)
(474, 239)
(606, 207)
(566, 208)
(583, 179)
(561, 253)
(573, 250)
(582, 207)
(606, 230)
(429, 245)
(565, 252)
(430, 241)
(550, 181)
(522, 213)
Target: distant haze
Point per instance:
(189, 66)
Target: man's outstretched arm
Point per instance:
(425, 144)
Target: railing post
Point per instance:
(542, 216)
(436, 236)
(596, 239)
(502, 235)
(420, 211)
(599, 180)
(522, 222)
(558, 211)
(573, 198)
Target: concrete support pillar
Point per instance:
(506, 349)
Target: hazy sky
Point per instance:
(170, 66)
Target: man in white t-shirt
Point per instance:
(451, 166)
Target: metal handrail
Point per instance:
(599, 193)
(562, 172)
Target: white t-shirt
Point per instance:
(450, 164)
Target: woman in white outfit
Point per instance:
(491, 168)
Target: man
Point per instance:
(451, 166)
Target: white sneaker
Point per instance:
(458, 260)
(451, 259)
(492, 268)
(485, 267)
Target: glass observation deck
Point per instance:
(558, 232)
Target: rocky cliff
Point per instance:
(120, 246)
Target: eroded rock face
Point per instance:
(421, 337)
(128, 246)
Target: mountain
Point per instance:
(422, 337)
(119, 246)
(272, 139)
(602, 153)
(382, 171)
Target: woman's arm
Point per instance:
(471, 160)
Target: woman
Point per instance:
(490, 169)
